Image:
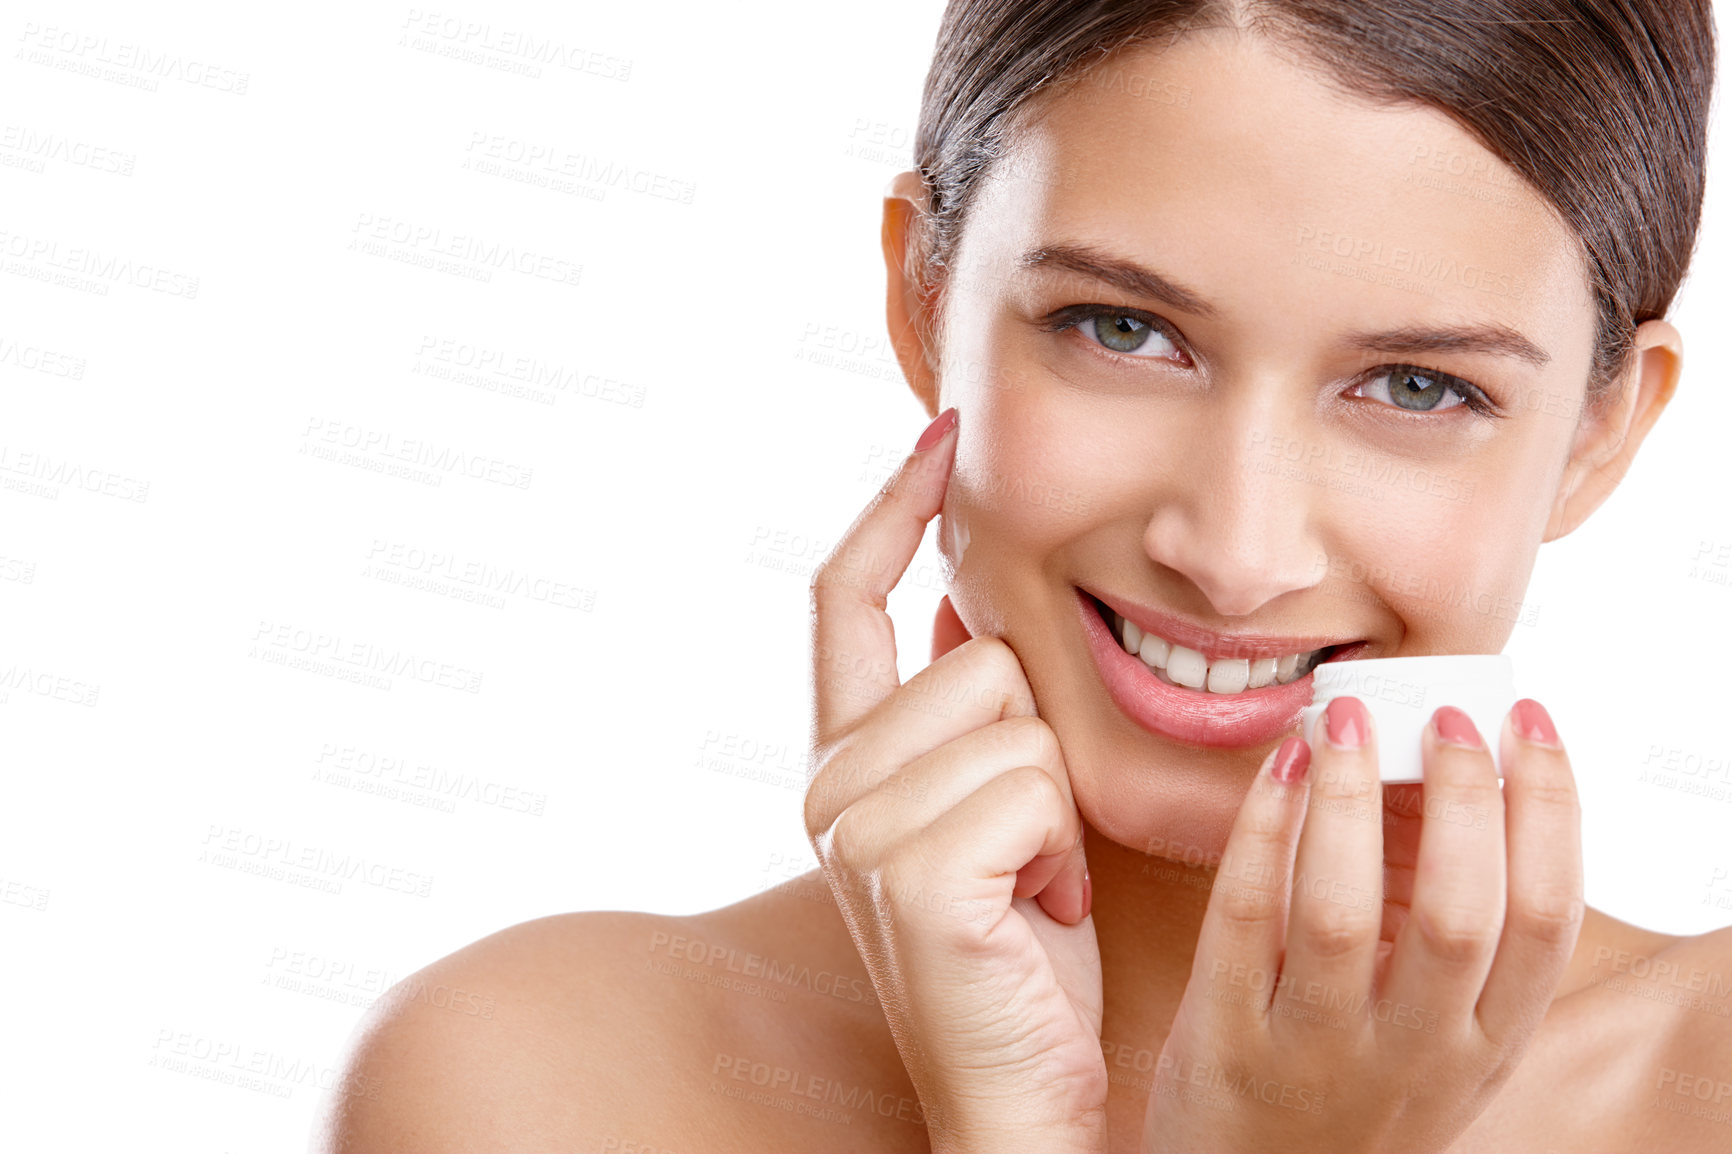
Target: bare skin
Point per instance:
(632, 1032)
(590, 1045)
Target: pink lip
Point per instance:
(1196, 717)
(1212, 643)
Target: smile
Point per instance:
(1204, 688)
(1177, 665)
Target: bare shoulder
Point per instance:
(1695, 975)
(743, 1028)
(1653, 1054)
(545, 1031)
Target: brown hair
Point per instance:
(1600, 105)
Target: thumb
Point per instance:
(948, 631)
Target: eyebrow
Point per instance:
(1122, 274)
(1490, 338)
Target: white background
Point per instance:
(722, 403)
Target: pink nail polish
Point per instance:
(1346, 722)
(1456, 727)
(1291, 761)
(1533, 723)
(935, 431)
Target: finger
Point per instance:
(1059, 882)
(853, 640)
(966, 861)
(1445, 949)
(1246, 918)
(1337, 904)
(948, 631)
(976, 685)
(1543, 816)
(915, 795)
(912, 797)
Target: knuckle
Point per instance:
(1032, 736)
(995, 663)
(822, 582)
(1245, 905)
(1549, 916)
(1031, 787)
(1459, 802)
(902, 881)
(843, 571)
(1264, 825)
(822, 797)
(1454, 935)
(814, 813)
(848, 838)
(853, 776)
(986, 647)
(1476, 790)
(1334, 932)
(1550, 791)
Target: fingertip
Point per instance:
(936, 431)
(1533, 723)
(925, 473)
(1290, 760)
(1347, 723)
(1069, 896)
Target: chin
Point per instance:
(1176, 811)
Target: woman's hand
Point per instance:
(941, 811)
(1349, 995)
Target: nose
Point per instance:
(1235, 519)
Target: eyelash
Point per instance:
(1472, 396)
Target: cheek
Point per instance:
(1014, 500)
(1443, 553)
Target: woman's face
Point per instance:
(1277, 433)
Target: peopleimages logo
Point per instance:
(1368, 256)
(286, 644)
(283, 860)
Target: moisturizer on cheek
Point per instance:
(952, 540)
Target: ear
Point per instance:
(948, 631)
(1606, 441)
(909, 306)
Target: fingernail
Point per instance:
(1088, 893)
(1291, 761)
(1533, 723)
(1346, 722)
(1455, 727)
(941, 424)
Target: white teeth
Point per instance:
(1189, 668)
(1229, 675)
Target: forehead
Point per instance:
(1256, 181)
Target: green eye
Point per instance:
(1121, 334)
(1124, 333)
(1417, 390)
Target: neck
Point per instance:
(1147, 914)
